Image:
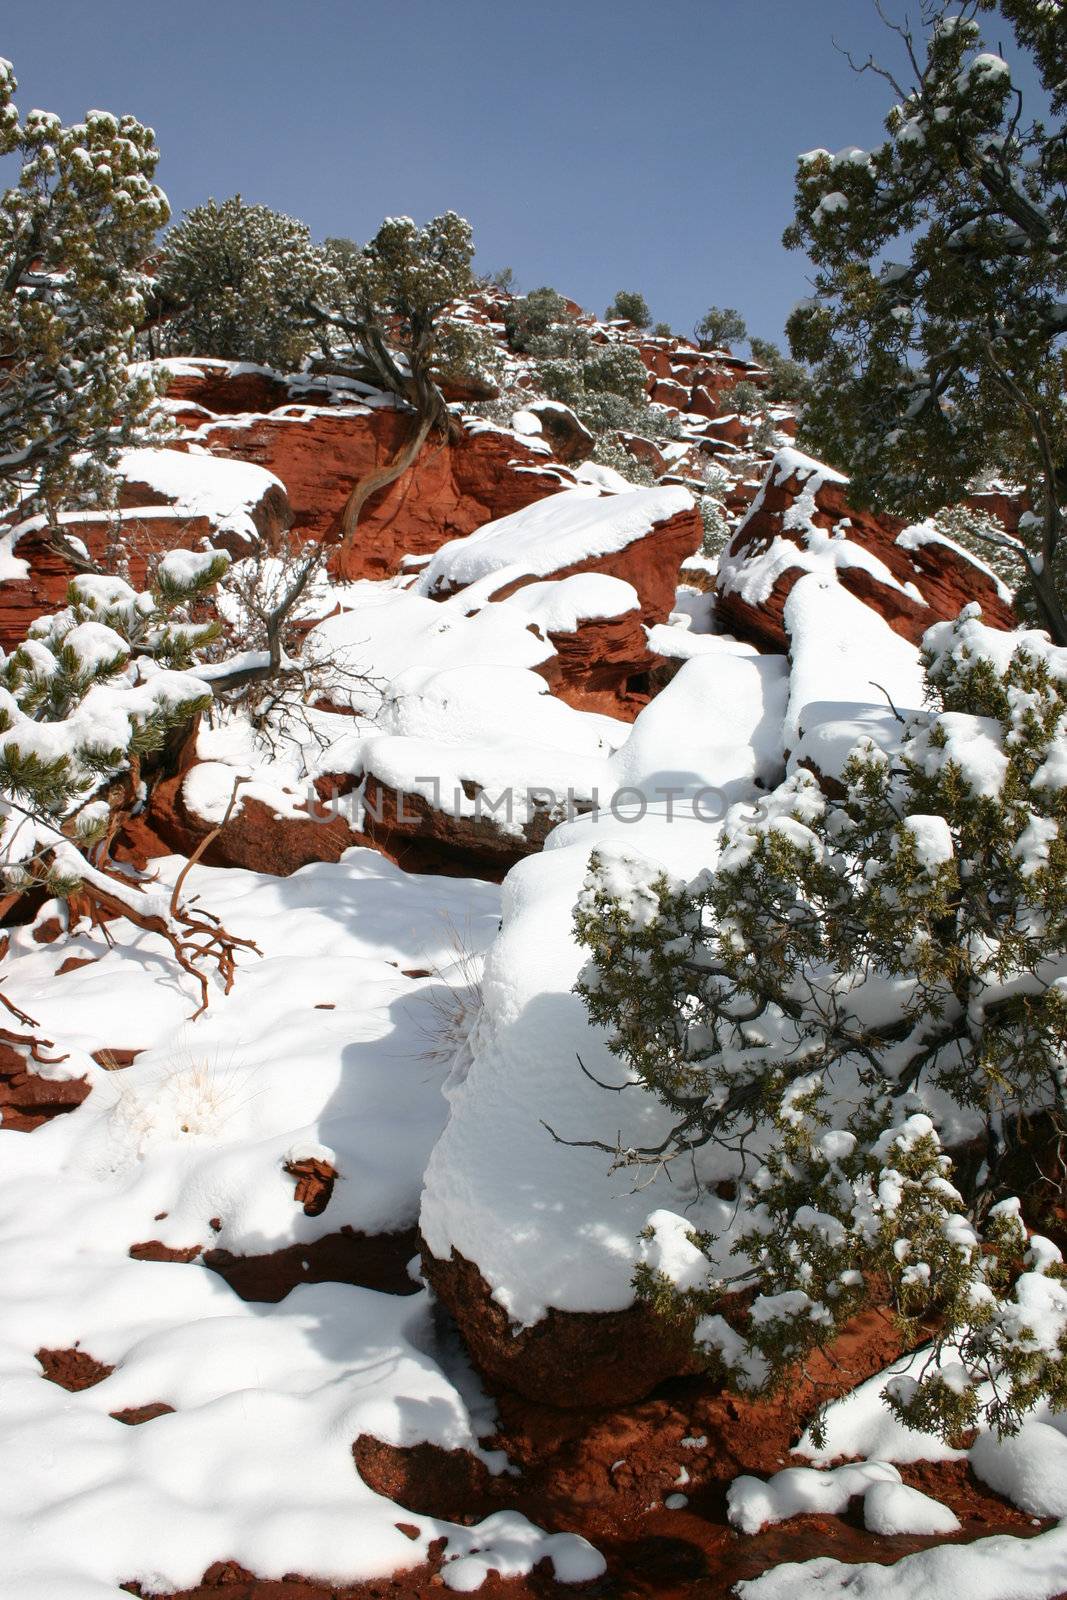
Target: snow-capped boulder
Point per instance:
(531, 1240)
(641, 536)
(566, 433)
(801, 521)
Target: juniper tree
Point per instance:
(532, 314)
(789, 380)
(93, 689)
(386, 310)
(938, 326)
(234, 280)
(720, 327)
(852, 971)
(74, 230)
(631, 306)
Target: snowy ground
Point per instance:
(426, 1094)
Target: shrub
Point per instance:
(744, 398)
(608, 452)
(240, 278)
(532, 314)
(631, 306)
(852, 971)
(790, 380)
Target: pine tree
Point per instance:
(235, 280)
(74, 231)
(91, 691)
(386, 311)
(720, 327)
(631, 306)
(938, 326)
(850, 972)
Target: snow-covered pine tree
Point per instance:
(854, 977)
(93, 689)
(937, 332)
(74, 231)
(234, 280)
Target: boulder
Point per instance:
(566, 433)
(801, 521)
(641, 537)
(669, 392)
(568, 1359)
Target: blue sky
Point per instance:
(646, 144)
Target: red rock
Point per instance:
(133, 1416)
(72, 1369)
(669, 392)
(644, 450)
(22, 600)
(568, 1359)
(731, 428)
(314, 1184)
(603, 665)
(254, 838)
(374, 1261)
(705, 402)
(650, 563)
(420, 838)
(224, 390)
(449, 492)
(570, 439)
(26, 1098)
(944, 578)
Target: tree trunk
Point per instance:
(381, 477)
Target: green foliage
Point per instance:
(850, 969)
(533, 314)
(721, 327)
(607, 453)
(74, 230)
(790, 380)
(604, 383)
(663, 330)
(631, 306)
(94, 688)
(392, 296)
(937, 332)
(238, 278)
(744, 398)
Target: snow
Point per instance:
(752, 1503)
(1030, 1468)
(202, 485)
(552, 534)
(892, 1508)
(840, 649)
(546, 1222)
(200, 1127)
(998, 1568)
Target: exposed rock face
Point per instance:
(321, 454)
(801, 521)
(568, 1359)
(255, 837)
(569, 437)
(22, 600)
(603, 665)
(420, 838)
(27, 1098)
